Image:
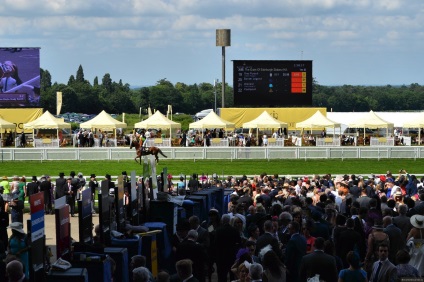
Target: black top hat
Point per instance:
(92, 175)
(34, 178)
(72, 173)
(107, 176)
(124, 173)
(61, 174)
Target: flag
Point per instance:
(58, 102)
(123, 117)
(149, 111)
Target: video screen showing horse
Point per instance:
(20, 77)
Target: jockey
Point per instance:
(147, 136)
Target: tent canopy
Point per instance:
(370, 120)
(265, 120)
(47, 121)
(157, 120)
(103, 121)
(212, 120)
(318, 120)
(416, 121)
(6, 125)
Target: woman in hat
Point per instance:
(18, 245)
(415, 242)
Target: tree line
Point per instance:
(79, 95)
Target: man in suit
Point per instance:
(193, 183)
(268, 238)
(350, 240)
(283, 231)
(45, 187)
(397, 242)
(32, 187)
(190, 249)
(227, 240)
(320, 263)
(184, 271)
(60, 186)
(73, 192)
(383, 270)
(295, 250)
(93, 185)
(402, 221)
(202, 233)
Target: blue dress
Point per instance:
(15, 245)
(352, 275)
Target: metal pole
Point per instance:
(214, 86)
(223, 76)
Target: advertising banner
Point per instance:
(36, 202)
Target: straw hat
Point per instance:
(17, 226)
(417, 221)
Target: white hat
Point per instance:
(17, 226)
(417, 221)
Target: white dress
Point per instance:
(416, 251)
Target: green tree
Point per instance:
(80, 75)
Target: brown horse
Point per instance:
(146, 151)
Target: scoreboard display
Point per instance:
(272, 83)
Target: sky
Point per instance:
(356, 42)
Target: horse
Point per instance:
(146, 151)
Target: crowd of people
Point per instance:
(343, 228)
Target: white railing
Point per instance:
(46, 142)
(382, 141)
(217, 142)
(229, 153)
(327, 141)
(159, 142)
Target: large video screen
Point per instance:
(20, 77)
(272, 83)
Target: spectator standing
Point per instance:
(60, 186)
(383, 270)
(15, 273)
(18, 245)
(185, 271)
(93, 185)
(190, 249)
(295, 250)
(353, 273)
(32, 187)
(227, 243)
(404, 269)
(395, 237)
(320, 263)
(416, 243)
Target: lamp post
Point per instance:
(214, 88)
(223, 39)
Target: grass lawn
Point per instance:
(220, 167)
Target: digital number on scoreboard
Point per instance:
(272, 83)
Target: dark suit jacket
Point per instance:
(350, 240)
(227, 242)
(203, 237)
(188, 249)
(267, 239)
(396, 240)
(32, 188)
(295, 250)
(59, 191)
(388, 271)
(404, 224)
(320, 263)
